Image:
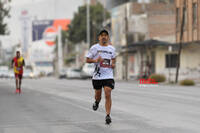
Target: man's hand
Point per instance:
(12, 65)
(99, 59)
(113, 65)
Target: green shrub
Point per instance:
(158, 77)
(187, 82)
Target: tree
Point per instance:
(77, 28)
(4, 12)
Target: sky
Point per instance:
(22, 2)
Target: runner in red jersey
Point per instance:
(18, 63)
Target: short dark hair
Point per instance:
(17, 51)
(103, 31)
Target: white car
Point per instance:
(72, 73)
(28, 73)
(11, 74)
(4, 72)
(87, 70)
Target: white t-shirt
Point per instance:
(103, 69)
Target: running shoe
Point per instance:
(108, 119)
(95, 106)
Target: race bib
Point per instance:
(105, 63)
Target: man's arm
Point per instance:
(12, 63)
(88, 60)
(23, 63)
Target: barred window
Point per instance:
(171, 60)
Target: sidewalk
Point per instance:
(197, 84)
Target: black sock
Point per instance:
(108, 115)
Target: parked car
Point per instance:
(36, 74)
(62, 73)
(11, 73)
(87, 70)
(28, 73)
(4, 72)
(72, 73)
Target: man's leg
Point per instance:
(97, 99)
(97, 85)
(108, 103)
(16, 82)
(98, 95)
(20, 82)
(108, 100)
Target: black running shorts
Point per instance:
(98, 84)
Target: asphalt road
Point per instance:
(50, 105)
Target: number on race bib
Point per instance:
(105, 63)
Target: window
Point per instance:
(194, 8)
(171, 60)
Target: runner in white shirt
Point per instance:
(103, 56)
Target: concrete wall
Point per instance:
(161, 25)
(189, 65)
(119, 67)
(118, 37)
(134, 63)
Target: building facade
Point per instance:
(145, 21)
(189, 60)
(192, 20)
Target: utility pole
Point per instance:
(88, 24)
(60, 53)
(181, 40)
(104, 11)
(126, 36)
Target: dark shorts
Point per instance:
(98, 84)
(18, 76)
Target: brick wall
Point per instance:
(161, 25)
(161, 18)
